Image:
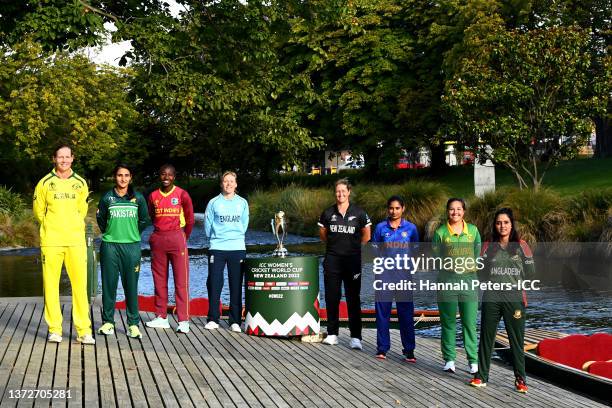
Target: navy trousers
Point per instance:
(405, 312)
(217, 260)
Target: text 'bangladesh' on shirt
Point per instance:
(122, 219)
(344, 232)
(226, 223)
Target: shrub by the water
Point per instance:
(11, 203)
(17, 225)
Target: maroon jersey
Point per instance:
(171, 211)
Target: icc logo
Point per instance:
(174, 201)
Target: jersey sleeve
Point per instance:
(188, 213)
(365, 220)
(83, 204)
(143, 213)
(245, 217)
(151, 207)
(323, 221)
(414, 234)
(39, 205)
(477, 242)
(102, 214)
(528, 264)
(209, 218)
(377, 236)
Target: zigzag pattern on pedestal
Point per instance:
(279, 329)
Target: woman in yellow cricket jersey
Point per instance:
(60, 206)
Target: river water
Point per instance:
(553, 307)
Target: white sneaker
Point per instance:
(183, 327)
(449, 367)
(211, 325)
(158, 323)
(356, 344)
(331, 340)
(473, 368)
(54, 338)
(86, 339)
(235, 327)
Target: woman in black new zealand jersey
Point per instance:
(344, 227)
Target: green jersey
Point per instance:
(459, 251)
(508, 265)
(122, 219)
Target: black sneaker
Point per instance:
(409, 357)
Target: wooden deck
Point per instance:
(221, 368)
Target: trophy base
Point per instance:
(280, 252)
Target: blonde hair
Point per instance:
(228, 173)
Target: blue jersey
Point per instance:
(226, 223)
(399, 241)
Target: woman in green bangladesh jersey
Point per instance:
(122, 215)
(507, 261)
(457, 243)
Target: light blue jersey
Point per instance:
(226, 223)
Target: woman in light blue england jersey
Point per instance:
(226, 222)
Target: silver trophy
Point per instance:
(279, 229)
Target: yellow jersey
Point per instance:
(60, 206)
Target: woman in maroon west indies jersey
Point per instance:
(344, 227)
(171, 211)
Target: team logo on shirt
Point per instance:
(517, 314)
(516, 258)
(52, 186)
(404, 234)
(174, 201)
(333, 218)
(76, 186)
(133, 200)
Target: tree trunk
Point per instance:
(603, 137)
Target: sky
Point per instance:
(111, 53)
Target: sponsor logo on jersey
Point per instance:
(133, 200)
(76, 186)
(351, 218)
(174, 201)
(404, 234)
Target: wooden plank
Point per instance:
(151, 392)
(186, 389)
(106, 386)
(75, 374)
(60, 375)
(37, 356)
(10, 343)
(120, 383)
(286, 374)
(91, 383)
(137, 394)
(17, 354)
(223, 388)
(157, 366)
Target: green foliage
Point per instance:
(11, 203)
(45, 100)
(526, 94)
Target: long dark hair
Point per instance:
(128, 168)
(514, 235)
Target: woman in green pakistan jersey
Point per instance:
(122, 215)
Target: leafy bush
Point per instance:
(11, 203)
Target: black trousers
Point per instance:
(347, 270)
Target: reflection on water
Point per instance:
(553, 308)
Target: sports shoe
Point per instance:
(477, 382)
(183, 327)
(211, 325)
(331, 340)
(409, 357)
(473, 368)
(107, 329)
(381, 356)
(54, 338)
(356, 344)
(158, 323)
(520, 385)
(134, 332)
(449, 367)
(235, 327)
(86, 339)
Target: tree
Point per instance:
(525, 93)
(45, 100)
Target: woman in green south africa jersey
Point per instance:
(459, 242)
(122, 215)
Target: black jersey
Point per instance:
(344, 233)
